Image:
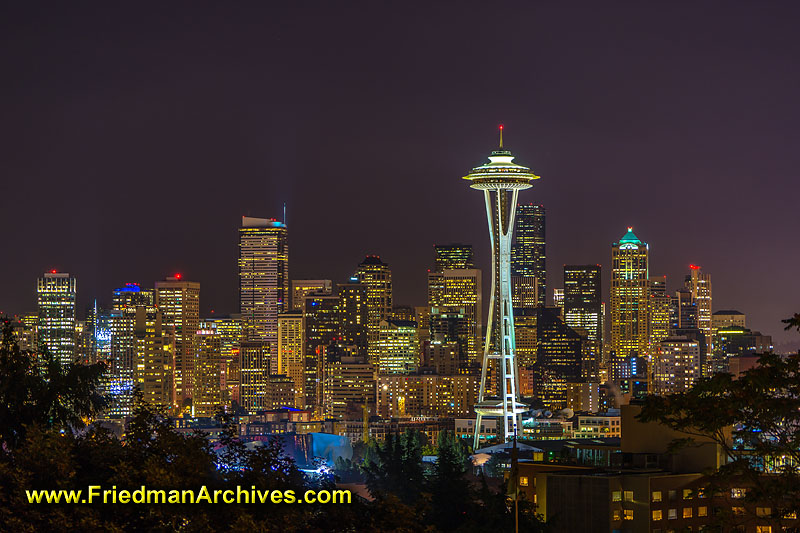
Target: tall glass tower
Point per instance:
(55, 293)
(500, 180)
(529, 257)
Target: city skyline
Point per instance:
(623, 131)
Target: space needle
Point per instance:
(500, 180)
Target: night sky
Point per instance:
(134, 136)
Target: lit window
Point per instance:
(687, 494)
(628, 495)
(763, 511)
(737, 510)
(523, 481)
(687, 512)
(616, 514)
(616, 496)
(657, 514)
(738, 493)
(702, 511)
(656, 495)
(763, 529)
(628, 514)
(672, 514)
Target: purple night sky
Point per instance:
(135, 135)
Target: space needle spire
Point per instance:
(500, 180)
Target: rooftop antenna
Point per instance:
(501, 135)
(284, 213)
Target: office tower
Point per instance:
(291, 355)
(353, 316)
(676, 365)
(700, 285)
(348, 385)
(403, 312)
(501, 180)
(450, 325)
(528, 257)
(229, 329)
(453, 257)
(525, 341)
(659, 312)
(321, 327)
(629, 296)
(263, 279)
(377, 277)
(154, 370)
(422, 317)
(303, 287)
(179, 302)
(582, 300)
(736, 342)
(398, 347)
(55, 292)
(460, 289)
(442, 358)
(254, 360)
(684, 310)
(558, 359)
(209, 373)
(98, 326)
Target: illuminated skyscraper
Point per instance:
(582, 299)
(179, 302)
(348, 385)
(630, 296)
(377, 277)
(559, 362)
(209, 373)
(56, 293)
(229, 329)
(677, 365)
(460, 289)
(321, 329)
(398, 347)
(353, 316)
(154, 355)
(254, 379)
(302, 287)
(528, 256)
(700, 285)
(291, 359)
(263, 279)
(453, 257)
(501, 180)
(659, 312)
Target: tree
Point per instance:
(40, 391)
(755, 420)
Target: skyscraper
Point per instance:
(254, 378)
(154, 355)
(453, 289)
(263, 279)
(453, 256)
(559, 361)
(528, 256)
(291, 359)
(700, 285)
(659, 312)
(500, 180)
(208, 373)
(377, 277)
(56, 292)
(179, 303)
(676, 365)
(398, 347)
(629, 296)
(582, 299)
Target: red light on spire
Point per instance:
(694, 267)
(53, 271)
(178, 275)
(501, 135)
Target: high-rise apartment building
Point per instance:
(229, 329)
(291, 353)
(56, 292)
(209, 373)
(460, 289)
(353, 316)
(155, 356)
(263, 279)
(453, 257)
(179, 302)
(558, 359)
(321, 329)
(377, 277)
(676, 366)
(630, 296)
(303, 287)
(348, 386)
(528, 256)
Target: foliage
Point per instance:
(756, 422)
